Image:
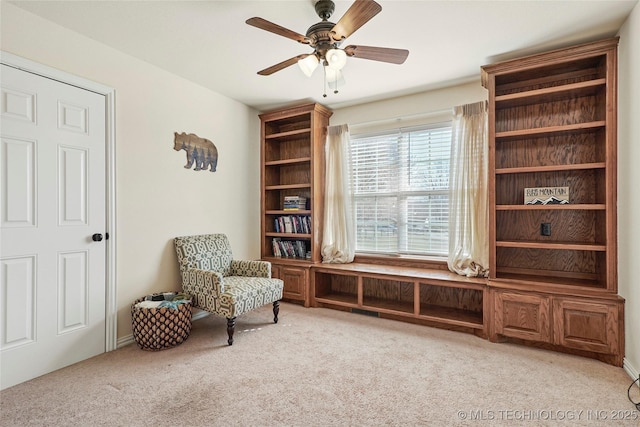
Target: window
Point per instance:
(401, 190)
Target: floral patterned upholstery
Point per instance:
(221, 285)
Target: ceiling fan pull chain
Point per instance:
(324, 71)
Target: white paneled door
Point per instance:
(52, 252)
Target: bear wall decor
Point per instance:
(200, 151)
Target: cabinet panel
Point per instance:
(573, 148)
(292, 148)
(452, 303)
(557, 113)
(553, 72)
(295, 280)
(389, 294)
(586, 325)
(586, 186)
(567, 267)
(576, 226)
(336, 287)
(523, 316)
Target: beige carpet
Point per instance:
(320, 367)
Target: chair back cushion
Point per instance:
(206, 252)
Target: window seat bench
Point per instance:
(434, 297)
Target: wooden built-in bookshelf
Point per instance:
(552, 267)
(292, 159)
(553, 124)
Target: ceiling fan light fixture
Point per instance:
(308, 65)
(336, 58)
(334, 78)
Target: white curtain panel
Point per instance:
(468, 191)
(338, 240)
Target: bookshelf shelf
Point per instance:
(549, 130)
(288, 161)
(288, 134)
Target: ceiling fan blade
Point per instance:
(360, 12)
(383, 54)
(263, 24)
(282, 65)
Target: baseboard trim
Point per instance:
(199, 314)
(630, 370)
(128, 339)
(124, 341)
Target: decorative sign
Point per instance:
(546, 196)
(200, 151)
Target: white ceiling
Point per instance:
(209, 43)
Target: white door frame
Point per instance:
(111, 308)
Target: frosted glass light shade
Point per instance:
(334, 77)
(308, 65)
(336, 58)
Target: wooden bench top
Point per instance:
(373, 270)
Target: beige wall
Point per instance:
(628, 178)
(157, 198)
(411, 108)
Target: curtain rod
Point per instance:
(410, 116)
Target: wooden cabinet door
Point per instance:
(587, 325)
(523, 316)
(295, 281)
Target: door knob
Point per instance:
(97, 237)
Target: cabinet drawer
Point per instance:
(523, 316)
(586, 325)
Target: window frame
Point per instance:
(403, 193)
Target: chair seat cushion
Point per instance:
(242, 294)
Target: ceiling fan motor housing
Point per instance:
(319, 35)
(324, 9)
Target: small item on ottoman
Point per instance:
(161, 321)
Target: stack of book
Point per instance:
(289, 248)
(294, 203)
(292, 224)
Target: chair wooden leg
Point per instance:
(276, 310)
(231, 326)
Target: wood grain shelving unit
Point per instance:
(553, 124)
(292, 164)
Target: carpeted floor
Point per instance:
(320, 367)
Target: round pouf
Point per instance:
(162, 327)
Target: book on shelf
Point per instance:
(288, 224)
(295, 224)
(289, 248)
(294, 203)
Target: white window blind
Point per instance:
(401, 184)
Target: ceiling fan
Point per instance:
(325, 38)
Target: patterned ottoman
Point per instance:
(161, 321)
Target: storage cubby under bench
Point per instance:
(427, 296)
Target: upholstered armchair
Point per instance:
(221, 285)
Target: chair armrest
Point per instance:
(251, 268)
(196, 281)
